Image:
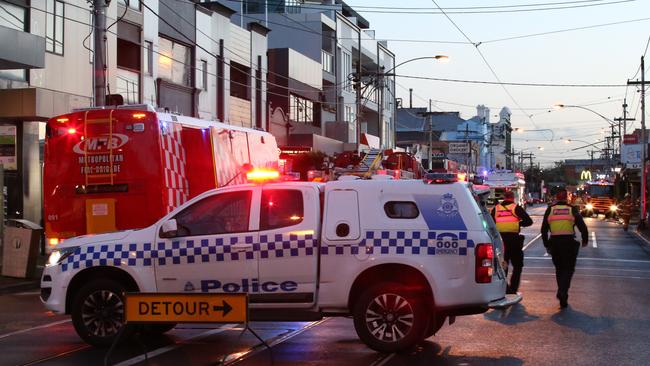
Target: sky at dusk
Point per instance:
(603, 55)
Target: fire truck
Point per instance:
(503, 181)
(599, 199)
(125, 167)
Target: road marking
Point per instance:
(598, 269)
(600, 259)
(594, 242)
(6, 335)
(592, 275)
(171, 347)
(531, 242)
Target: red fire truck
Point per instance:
(124, 168)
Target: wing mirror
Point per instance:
(169, 229)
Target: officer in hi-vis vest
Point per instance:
(509, 218)
(560, 218)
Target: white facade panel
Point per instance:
(305, 70)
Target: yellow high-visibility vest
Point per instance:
(506, 219)
(561, 220)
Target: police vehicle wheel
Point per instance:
(98, 312)
(389, 318)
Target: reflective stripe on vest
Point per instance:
(561, 220)
(507, 221)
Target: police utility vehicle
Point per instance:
(400, 256)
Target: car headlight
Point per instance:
(613, 207)
(589, 206)
(58, 255)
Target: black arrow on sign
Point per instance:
(225, 307)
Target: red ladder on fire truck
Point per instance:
(109, 146)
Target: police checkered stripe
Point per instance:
(286, 245)
(188, 251)
(405, 243)
(175, 168)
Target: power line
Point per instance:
(513, 83)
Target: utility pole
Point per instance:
(358, 92)
(644, 142)
(624, 122)
(99, 54)
(410, 97)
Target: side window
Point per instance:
(401, 210)
(280, 208)
(219, 214)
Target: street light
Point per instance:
(521, 130)
(562, 106)
(441, 58)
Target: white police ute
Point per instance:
(400, 256)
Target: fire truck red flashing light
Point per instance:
(124, 168)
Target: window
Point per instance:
(147, 67)
(301, 109)
(240, 81)
(281, 208)
(401, 210)
(54, 26)
(175, 62)
(218, 214)
(133, 4)
(293, 6)
(127, 81)
(346, 65)
(202, 75)
(13, 16)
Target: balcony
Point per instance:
(21, 50)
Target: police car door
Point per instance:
(289, 218)
(213, 249)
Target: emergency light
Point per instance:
(261, 175)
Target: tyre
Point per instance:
(389, 318)
(435, 323)
(98, 312)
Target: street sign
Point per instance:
(186, 308)
(437, 154)
(458, 148)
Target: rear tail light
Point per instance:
(484, 263)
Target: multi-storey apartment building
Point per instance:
(316, 50)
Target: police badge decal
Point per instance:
(448, 206)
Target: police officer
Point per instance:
(560, 218)
(509, 218)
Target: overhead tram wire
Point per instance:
(513, 83)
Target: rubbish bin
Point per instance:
(20, 248)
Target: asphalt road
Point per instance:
(607, 323)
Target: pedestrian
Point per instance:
(626, 210)
(510, 218)
(560, 219)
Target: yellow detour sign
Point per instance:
(186, 308)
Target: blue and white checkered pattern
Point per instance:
(191, 251)
(286, 245)
(405, 243)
